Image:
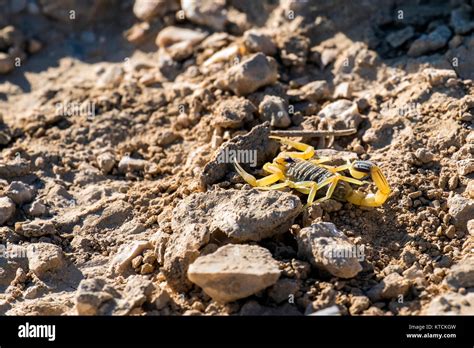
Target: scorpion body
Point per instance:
(299, 170)
(306, 174)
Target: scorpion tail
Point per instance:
(372, 199)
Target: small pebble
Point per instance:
(424, 155)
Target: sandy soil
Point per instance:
(113, 122)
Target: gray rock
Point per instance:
(275, 110)
(461, 21)
(35, 228)
(428, 43)
(344, 113)
(127, 252)
(251, 215)
(138, 290)
(9, 266)
(316, 91)
(226, 54)
(470, 227)
(128, 164)
(424, 155)
(233, 112)
(5, 137)
(461, 275)
(234, 272)
(36, 291)
(7, 209)
(256, 141)
(105, 162)
(161, 299)
(438, 77)
(256, 41)
(168, 67)
(343, 90)
(111, 78)
(11, 37)
(399, 37)
(329, 249)
(20, 192)
(415, 273)
(390, 287)
(359, 304)
(293, 49)
(181, 250)
(159, 240)
(19, 167)
(328, 56)
(95, 297)
(282, 290)
(235, 215)
(178, 42)
(463, 53)
(35, 209)
(9, 236)
(465, 167)
(211, 13)
(45, 257)
(7, 64)
(462, 210)
(451, 304)
(254, 72)
(392, 269)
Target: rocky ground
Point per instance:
(116, 199)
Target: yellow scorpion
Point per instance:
(302, 172)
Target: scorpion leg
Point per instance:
(278, 186)
(343, 167)
(273, 168)
(332, 181)
(307, 187)
(303, 186)
(303, 189)
(312, 194)
(307, 150)
(314, 187)
(351, 180)
(347, 166)
(276, 174)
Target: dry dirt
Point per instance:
(110, 178)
